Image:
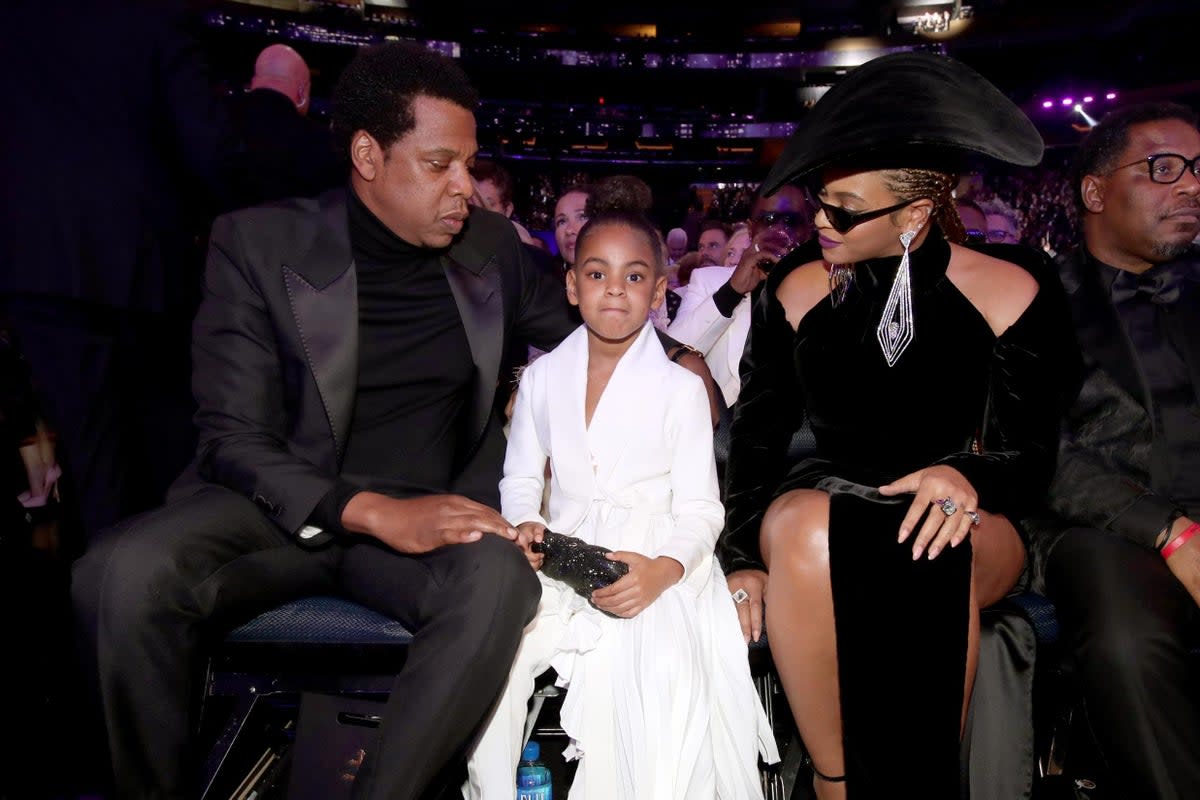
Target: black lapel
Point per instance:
(1102, 338)
(474, 278)
(322, 289)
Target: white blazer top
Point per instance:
(720, 338)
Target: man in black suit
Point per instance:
(346, 360)
(1124, 564)
(112, 151)
(282, 153)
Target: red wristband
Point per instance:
(1180, 540)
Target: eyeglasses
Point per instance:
(789, 219)
(976, 236)
(842, 220)
(1166, 167)
(999, 236)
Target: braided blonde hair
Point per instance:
(912, 184)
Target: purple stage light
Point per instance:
(1088, 99)
(1110, 96)
(1066, 101)
(1048, 104)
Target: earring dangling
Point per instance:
(895, 330)
(840, 278)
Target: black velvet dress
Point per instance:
(988, 406)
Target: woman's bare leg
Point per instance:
(999, 557)
(799, 599)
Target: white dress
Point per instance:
(661, 706)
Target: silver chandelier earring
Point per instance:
(895, 330)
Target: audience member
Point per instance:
(495, 191)
(637, 476)
(112, 158)
(346, 355)
(1123, 564)
(714, 316)
(281, 152)
(1003, 223)
(974, 221)
(714, 234)
(677, 244)
(933, 377)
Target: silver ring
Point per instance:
(757, 247)
(740, 596)
(948, 506)
(975, 518)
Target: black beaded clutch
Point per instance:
(579, 565)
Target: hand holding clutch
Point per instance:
(579, 565)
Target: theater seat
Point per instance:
(313, 644)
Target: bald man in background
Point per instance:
(282, 153)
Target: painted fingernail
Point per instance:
(933, 551)
(916, 553)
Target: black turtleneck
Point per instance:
(415, 371)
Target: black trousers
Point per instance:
(1130, 625)
(156, 587)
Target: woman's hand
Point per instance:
(750, 612)
(932, 486)
(527, 534)
(647, 578)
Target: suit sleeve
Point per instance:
(238, 383)
(524, 480)
(543, 316)
(769, 410)
(699, 322)
(1090, 487)
(695, 496)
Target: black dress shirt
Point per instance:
(1150, 307)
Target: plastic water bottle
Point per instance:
(533, 776)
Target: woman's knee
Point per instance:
(998, 554)
(795, 529)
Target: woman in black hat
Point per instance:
(933, 377)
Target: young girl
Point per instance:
(661, 703)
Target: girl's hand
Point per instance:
(527, 534)
(750, 611)
(646, 580)
(932, 486)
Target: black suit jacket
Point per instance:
(1108, 450)
(275, 350)
(112, 150)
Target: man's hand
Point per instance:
(750, 612)
(1184, 563)
(421, 524)
(637, 589)
(527, 534)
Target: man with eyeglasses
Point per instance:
(714, 316)
(1122, 560)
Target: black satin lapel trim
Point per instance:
(327, 320)
(479, 304)
(329, 254)
(1102, 336)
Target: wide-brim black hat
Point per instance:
(909, 109)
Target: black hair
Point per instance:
(620, 193)
(629, 218)
(1100, 149)
(376, 90)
